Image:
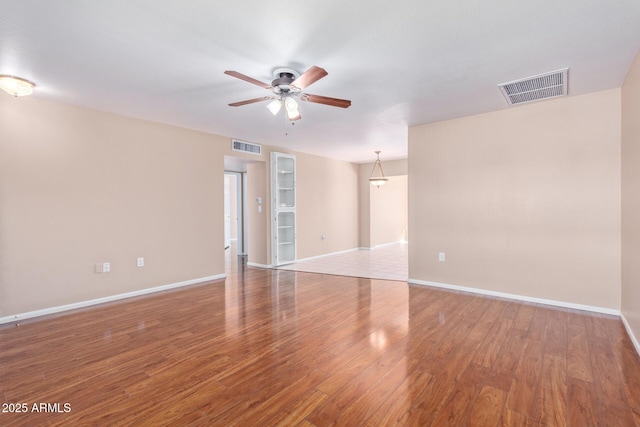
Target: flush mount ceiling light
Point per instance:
(16, 86)
(378, 179)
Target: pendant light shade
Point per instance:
(377, 179)
(16, 86)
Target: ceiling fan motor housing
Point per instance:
(283, 79)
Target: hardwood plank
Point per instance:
(582, 406)
(619, 417)
(350, 387)
(490, 347)
(551, 405)
(556, 343)
(628, 362)
(609, 386)
(297, 413)
(266, 412)
(512, 418)
(488, 408)
(447, 371)
(539, 324)
(485, 323)
(504, 366)
(269, 348)
(363, 408)
(522, 320)
(578, 354)
(395, 408)
(458, 405)
(522, 394)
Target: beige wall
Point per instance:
(524, 201)
(233, 206)
(327, 191)
(631, 198)
(389, 217)
(327, 203)
(366, 228)
(80, 187)
(258, 221)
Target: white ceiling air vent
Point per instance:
(246, 147)
(542, 86)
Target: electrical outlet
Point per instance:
(140, 262)
(324, 237)
(441, 257)
(106, 267)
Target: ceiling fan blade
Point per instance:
(309, 77)
(334, 102)
(251, 101)
(247, 79)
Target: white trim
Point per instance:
(254, 264)
(371, 248)
(326, 255)
(88, 303)
(564, 304)
(627, 326)
(398, 242)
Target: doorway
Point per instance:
(235, 230)
(236, 221)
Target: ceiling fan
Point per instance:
(287, 86)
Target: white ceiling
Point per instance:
(402, 63)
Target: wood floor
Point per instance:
(283, 348)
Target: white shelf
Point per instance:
(283, 208)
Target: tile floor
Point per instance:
(384, 262)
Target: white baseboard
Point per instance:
(88, 303)
(381, 245)
(326, 255)
(399, 242)
(563, 304)
(634, 340)
(255, 264)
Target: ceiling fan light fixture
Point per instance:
(16, 86)
(287, 87)
(294, 115)
(274, 106)
(291, 106)
(377, 179)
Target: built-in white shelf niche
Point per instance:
(283, 208)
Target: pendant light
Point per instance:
(379, 179)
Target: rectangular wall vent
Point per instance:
(542, 86)
(246, 147)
